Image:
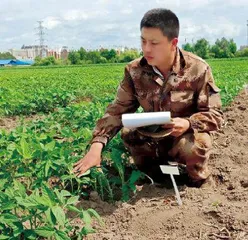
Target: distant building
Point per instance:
(243, 47)
(64, 53)
(33, 51)
(29, 52)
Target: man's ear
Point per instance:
(174, 42)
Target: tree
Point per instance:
(188, 47)
(232, 47)
(6, 55)
(74, 57)
(224, 48)
(95, 57)
(201, 48)
(108, 54)
(83, 53)
(129, 55)
(45, 61)
(242, 53)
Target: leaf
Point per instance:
(93, 213)
(30, 234)
(59, 215)
(49, 195)
(45, 231)
(61, 235)
(3, 237)
(50, 217)
(7, 218)
(50, 146)
(134, 176)
(73, 209)
(65, 193)
(2, 183)
(87, 229)
(25, 147)
(47, 167)
(20, 189)
(62, 195)
(86, 217)
(8, 205)
(86, 173)
(72, 200)
(28, 203)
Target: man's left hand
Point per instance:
(179, 126)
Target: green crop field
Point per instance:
(39, 192)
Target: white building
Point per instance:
(29, 52)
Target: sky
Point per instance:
(115, 23)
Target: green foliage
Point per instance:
(6, 55)
(242, 53)
(221, 49)
(57, 87)
(32, 156)
(45, 61)
(201, 48)
(108, 54)
(188, 47)
(74, 57)
(41, 213)
(83, 56)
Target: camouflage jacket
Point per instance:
(188, 92)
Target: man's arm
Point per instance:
(125, 102)
(209, 116)
(109, 125)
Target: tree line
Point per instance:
(82, 56)
(222, 48)
(6, 55)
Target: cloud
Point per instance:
(51, 22)
(237, 3)
(183, 4)
(222, 27)
(113, 23)
(74, 15)
(127, 11)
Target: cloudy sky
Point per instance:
(115, 23)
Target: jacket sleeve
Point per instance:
(209, 116)
(125, 102)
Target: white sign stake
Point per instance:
(172, 170)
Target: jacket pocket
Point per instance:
(181, 101)
(214, 96)
(213, 88)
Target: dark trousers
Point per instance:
(190, 149)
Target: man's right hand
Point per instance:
(91, 159)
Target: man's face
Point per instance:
(156, 47)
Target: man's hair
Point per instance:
(163, 19)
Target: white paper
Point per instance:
(135, 120)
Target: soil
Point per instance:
(216, 211)
(10, 123)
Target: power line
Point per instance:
(41, 34)
(247, 35)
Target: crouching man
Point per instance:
(166, 78)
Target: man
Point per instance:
(165, 79)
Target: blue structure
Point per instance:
(15, 62)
